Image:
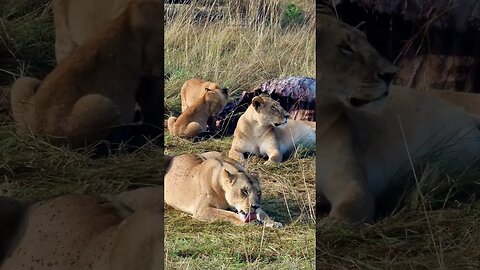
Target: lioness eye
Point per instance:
(245, 192)
(274, 109)
(346, 49)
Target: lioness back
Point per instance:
(193, 89)
(179, 184)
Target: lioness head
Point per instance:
(242, 189)
(216, 100)
(350, 68)
(269, 111)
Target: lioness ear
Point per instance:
(231, 178)
(257, 102)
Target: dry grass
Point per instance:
(238, 51)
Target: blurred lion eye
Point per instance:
(346, 49)
(244, 192)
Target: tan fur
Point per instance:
(93, 89)
(79, 232)
(360, 141)
(469, 101)
(208, 186)
(194, 89)
(77, 20)
(264, 129)
(194, 119)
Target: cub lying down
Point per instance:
(79, 232)
(214, 187)
(194, 120)
(264, 129)
(370, 131)
(94, 88)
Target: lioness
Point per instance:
(214, 187)
(369, 130)
(194, 120)
(79, 232)
(264, 129)
(94, 88)
(193, 89)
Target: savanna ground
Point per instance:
(239, 50)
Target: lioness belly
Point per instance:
(413, 126)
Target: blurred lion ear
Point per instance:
(258, 102)
(231, 178)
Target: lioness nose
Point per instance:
(386, 77)
(254, 206)
(287, 115)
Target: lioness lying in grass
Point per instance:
(214, 187)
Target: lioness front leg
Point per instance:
(274, 155)
(212, 214)
(341, 179)
(265, 219)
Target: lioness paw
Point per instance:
(273, 224)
